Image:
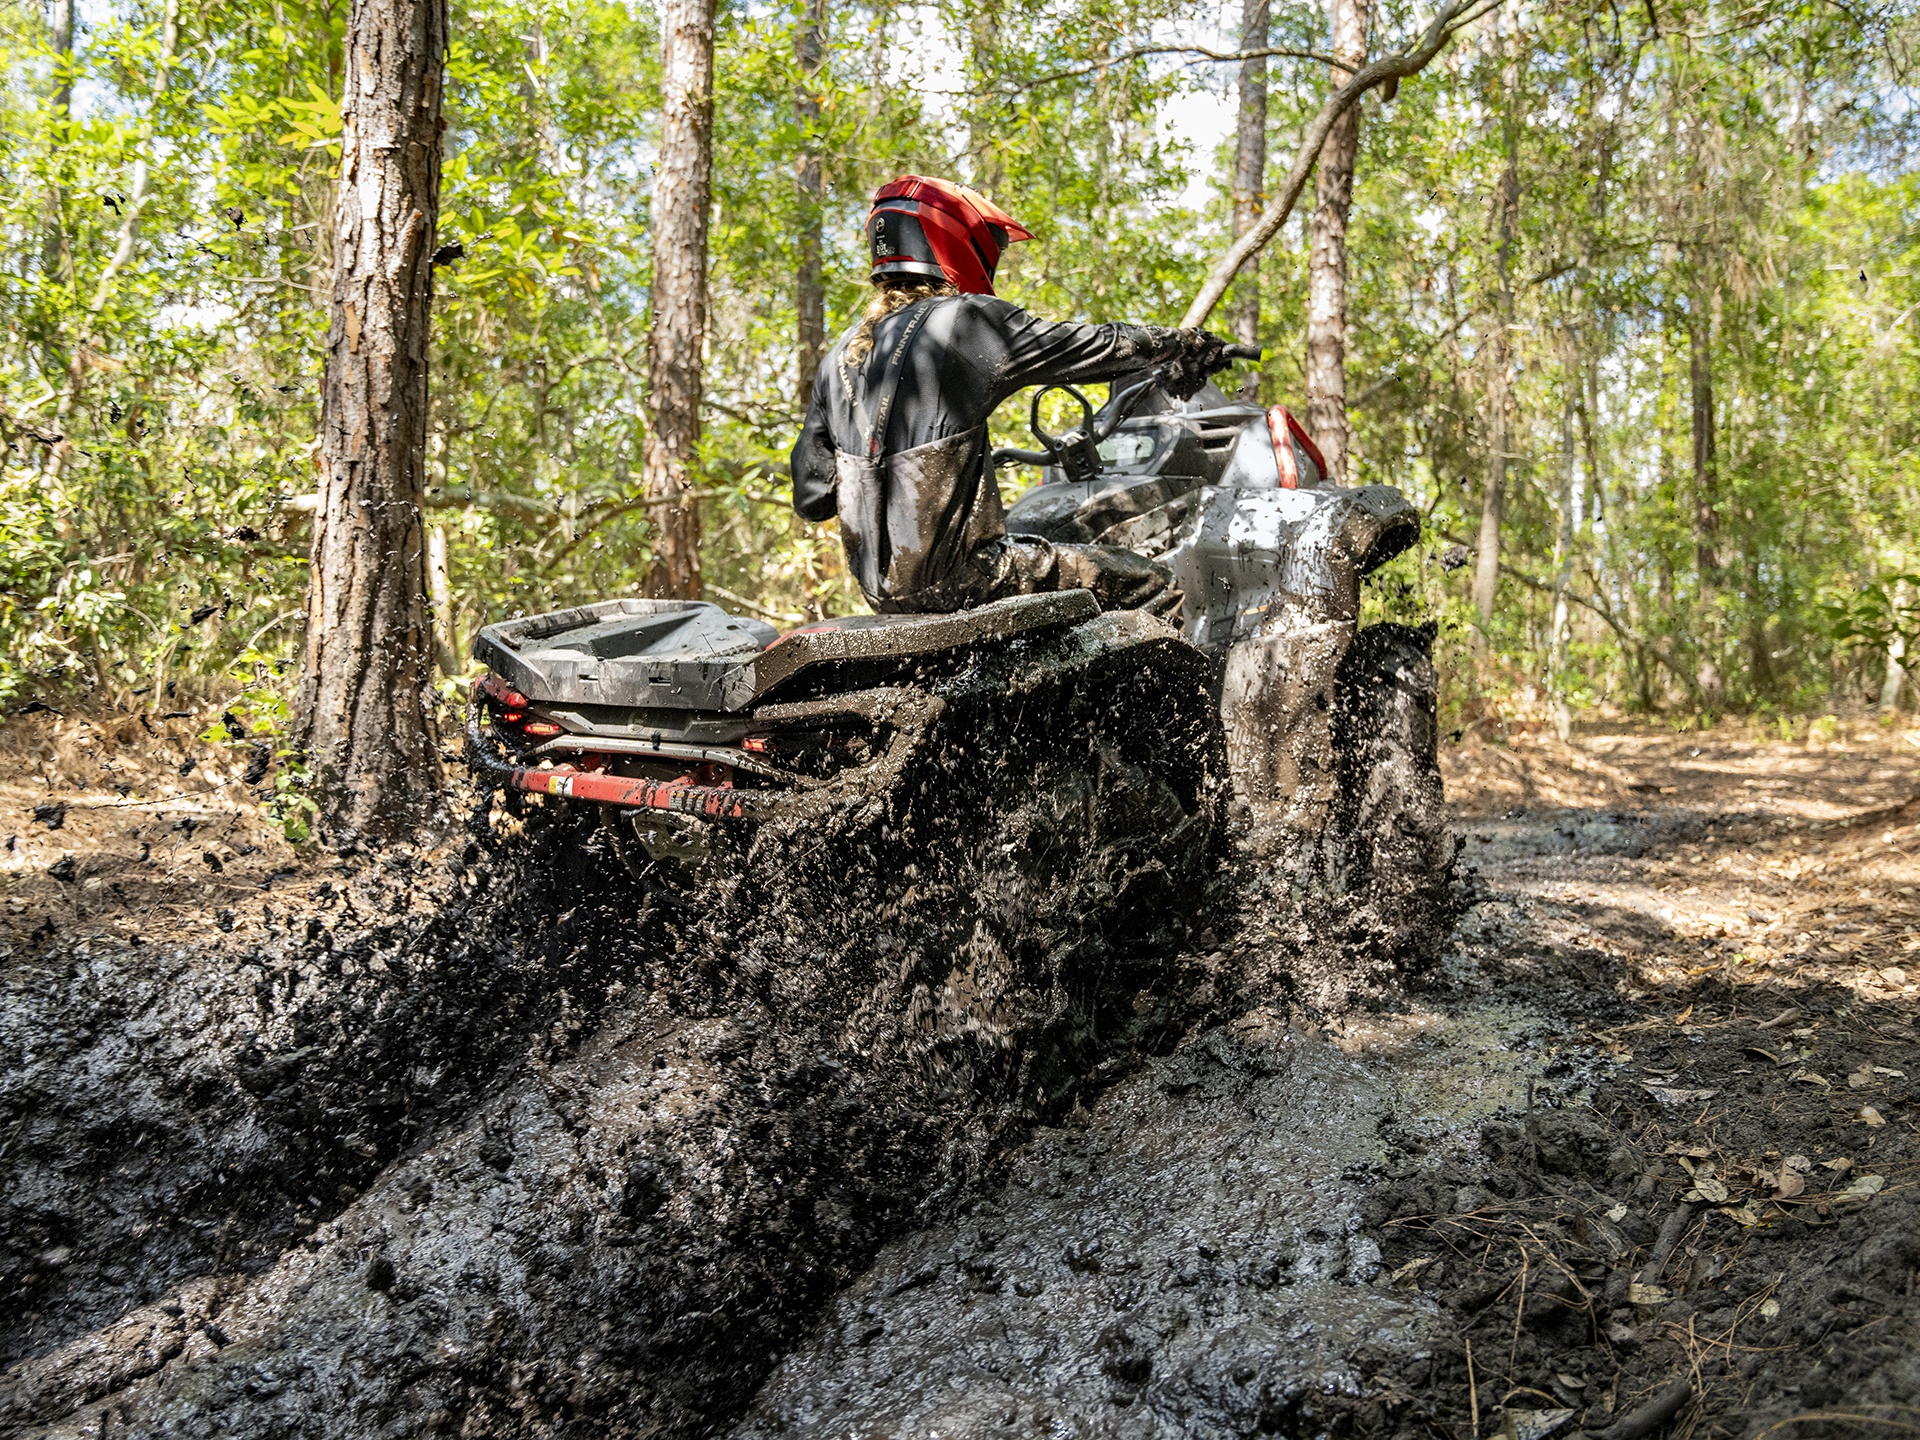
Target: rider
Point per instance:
(895, 440)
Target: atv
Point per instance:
(1037, 728)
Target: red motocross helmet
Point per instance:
(934, 228)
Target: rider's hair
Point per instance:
(890, 293)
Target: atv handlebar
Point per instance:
(1076, 452)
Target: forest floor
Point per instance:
(1641, 1151)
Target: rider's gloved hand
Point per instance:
(1201, 355)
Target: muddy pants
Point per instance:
(1026, 565)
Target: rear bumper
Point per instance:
(567, 783)
(907, 714)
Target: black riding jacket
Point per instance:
(970, 353)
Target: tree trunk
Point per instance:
(1895, 680)
(1327, 256)
(55, 259)
(1567, 503)
(682, 193)
(1250, 168)
(810, 289)
(984, 116)
(1486, 575)
(363, 716)
(1706, 464)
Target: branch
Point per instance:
(12, 425)
(1394, 377)
(1453, 15)
(1599, 608)
(1140, 51)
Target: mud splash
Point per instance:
(658, 1178)
(1194, 1256)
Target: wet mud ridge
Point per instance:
(476, 1144)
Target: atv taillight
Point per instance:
(758, 744)
(541, 727)
(513, 717)
(514, 700)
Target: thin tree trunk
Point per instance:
(1486, 576)
(1706, 464)
(1563, 561)
(440, 593)
(682, 194)
(1327, 255)
(139, 188)
(363, 715)
(55, 258)
(1250, 167)
(983, 119)
(810, 289)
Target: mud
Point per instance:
(1612, 1152)
(608, 1149)
(1192, 1257)
(490, 1150)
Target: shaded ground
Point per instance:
(395, 1149)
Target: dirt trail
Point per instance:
(416, 1147)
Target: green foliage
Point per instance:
(167, 248)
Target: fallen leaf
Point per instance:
(1767, 1055)
(1571, 1382)
(1785, 1017)
(1798, 1162)
(1617, 1214)
(1894, 975)
(1706, 1188)
(1870, 1117)
(1808, 1077)
(1407, 1276)
(1745, 1216)
(1842, 1165)
(1788, 1184)
(1883, 1070)
(1863, 1187)
(1863, 1077)
(1684, 1016)
(1533, 1424)
(1668, 1096)
(1696, 1152)
(1769, 1309)
(1638, 1294)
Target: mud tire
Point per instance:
(1391, 838)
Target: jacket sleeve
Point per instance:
(815, 480)
(1043, 352)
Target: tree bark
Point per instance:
(363, 714)
(1486, 576)
(1706, 464)
(1566, 502)
(1327, 255)
(1250, 166)
(810, 289)
(682, 196)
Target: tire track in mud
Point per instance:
(1196, 1256)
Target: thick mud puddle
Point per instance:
(1193, 1257)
